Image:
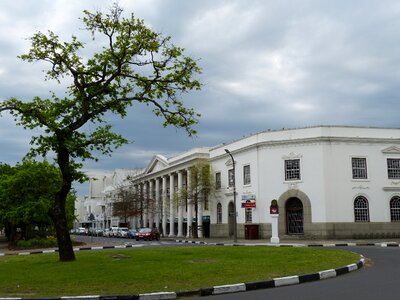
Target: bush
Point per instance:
(37, 243)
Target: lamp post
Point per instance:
(234, 198)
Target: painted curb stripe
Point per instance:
(158, 296)
(231, 288)
(289, 280)
(309, 277)
(260, 285)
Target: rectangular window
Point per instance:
(218, 180)
(231, 178)
(246, 175)
(393, 167)
(248, 215)
(292, 169)
(359, 166)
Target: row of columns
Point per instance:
(160, 213)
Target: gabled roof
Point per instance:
(158, 162)
(391, 150)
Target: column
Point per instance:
(275, 237)
(164, 205)
(180, 205)
(150, 207)
(145, 206)
(157, 204)
(171, 205)
(189, 214)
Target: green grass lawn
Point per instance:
(134, 271)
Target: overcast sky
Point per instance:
(265, 65)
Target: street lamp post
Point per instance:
(234, 198)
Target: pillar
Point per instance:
(274, 237)
(164, 205)
(180, 205)
(171, 205)
(189, 206)
(150, 204)
(157, 204)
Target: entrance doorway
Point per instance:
(231, 218)
(294, 216)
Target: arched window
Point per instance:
(395, 209)
(361, 210)
(219, 213)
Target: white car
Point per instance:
(122, 232)
(107, 232)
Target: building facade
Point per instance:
(328, 181)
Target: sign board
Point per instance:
(249, 201)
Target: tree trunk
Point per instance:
(65, 249)
(57, 213)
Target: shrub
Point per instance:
(37, 243)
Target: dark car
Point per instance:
(131, 233)
(147, 234)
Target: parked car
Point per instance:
(131, 233)
(82, 231)
(122, 231)
(106, 232)
(114, 231)
(147, 234)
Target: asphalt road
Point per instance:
(379, 279)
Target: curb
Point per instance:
(282, 281)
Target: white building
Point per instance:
(162, 183)
(95, 210)
(329, 182)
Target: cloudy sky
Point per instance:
(265, 65)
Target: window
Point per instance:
(231, 178)
(395, 209)
(219, 213)
(218, 180)
(393, 167)
(359, 166)
(361, 210)
(248, 215)
(292, 169)
(246, 175)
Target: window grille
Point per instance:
(231, 178)
(395, 209)
(393, 166)
(219, 213)
(246, 175)
(292, 169)
(248, 215)
(361, 210)
(359, 166)
(218, 180)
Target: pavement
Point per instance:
(233, 288)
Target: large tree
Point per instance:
(134, 65)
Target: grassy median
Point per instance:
(132, 271)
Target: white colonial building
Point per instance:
(162, 182)
(329, 182)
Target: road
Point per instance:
(379, 279)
